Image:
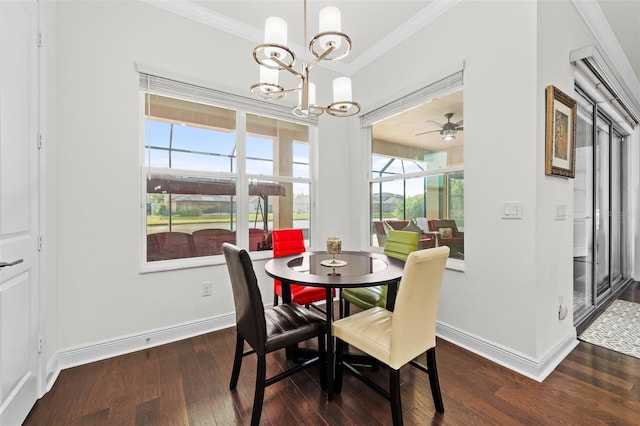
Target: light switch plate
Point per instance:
(512, 209)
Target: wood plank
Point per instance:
(187, 383)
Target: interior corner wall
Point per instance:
(49, 173)
(335, 188)
(559, 31)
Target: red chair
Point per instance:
(285, 243)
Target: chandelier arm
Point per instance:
(321, 57)
(293, 89)
(339, 52)
(286, 67)
(343, 108)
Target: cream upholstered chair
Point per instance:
(396, 338)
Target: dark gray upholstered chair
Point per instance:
(267, 330)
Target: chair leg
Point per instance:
(396, 403)
(322, 349)
(347, 308)
(275, 299)
(337, 387)
(258, 397)
(237, 362)
(433, 380)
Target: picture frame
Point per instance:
(560, 134)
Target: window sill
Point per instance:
(455, 265)
(195, 262)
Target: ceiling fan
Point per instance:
(448, 130)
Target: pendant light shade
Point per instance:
(329, 44)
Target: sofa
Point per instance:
(380, 228)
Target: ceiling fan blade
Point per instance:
(424, 133)
(459, 128)
(434, 122)
(459, 123)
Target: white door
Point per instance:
(20, 358)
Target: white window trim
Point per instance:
(442, 87)
(167, 84)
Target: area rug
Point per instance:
(618, 328)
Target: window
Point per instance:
(214, 173)
(417, 178)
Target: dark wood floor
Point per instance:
(187, 383)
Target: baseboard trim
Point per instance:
(537, 369)
(79, 355)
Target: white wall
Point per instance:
(101, 295)
(514, 269)
(94, 206)
(492, 299)
(559, 31)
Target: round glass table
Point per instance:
(357, 269)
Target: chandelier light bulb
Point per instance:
(275, 32)
(330, 20)
(312, 94)
(268, 75)
(342, 89)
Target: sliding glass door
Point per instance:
(602, 207)
(598, 209)
(583, 208)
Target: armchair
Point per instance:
(449, 235)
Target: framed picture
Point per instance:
(560, 134)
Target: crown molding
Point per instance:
(197, 13)
(202, 15)
(610, 47)
(430, 13)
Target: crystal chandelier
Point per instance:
(274, 56)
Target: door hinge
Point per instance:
(40, 242)
(40, 140)
(40, 39)
(40, 344)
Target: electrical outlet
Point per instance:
(562, 309)
(206, 288)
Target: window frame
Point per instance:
(179, 88)
(429, 93)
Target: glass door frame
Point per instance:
(614, 284)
